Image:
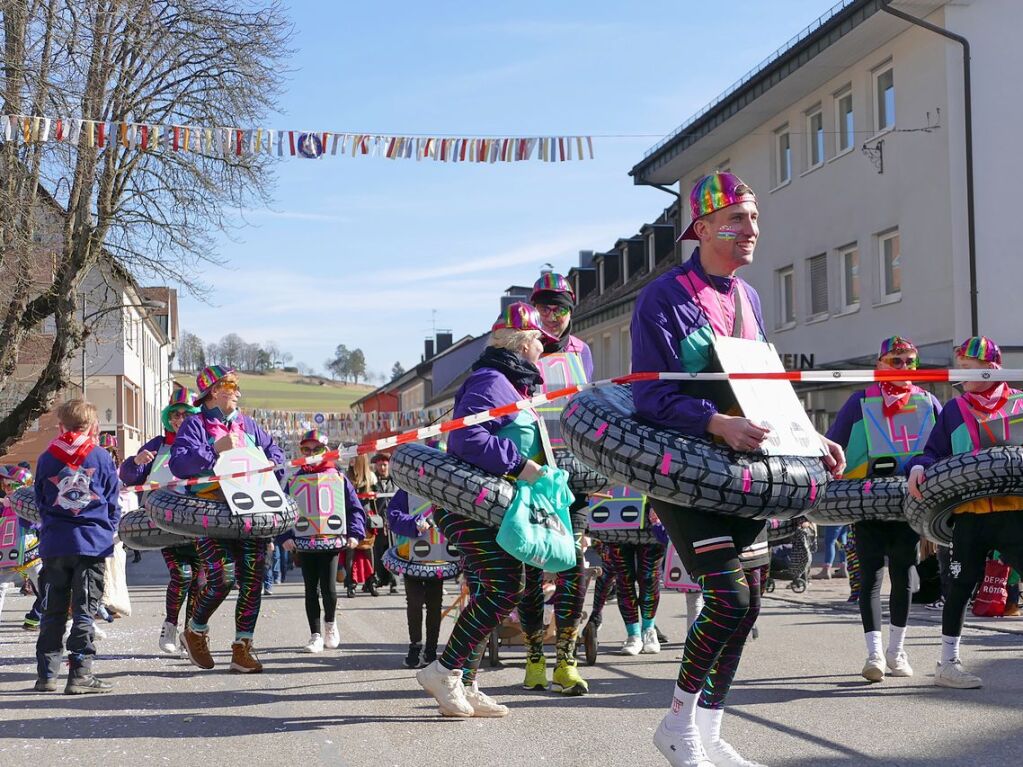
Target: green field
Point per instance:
(289, 391)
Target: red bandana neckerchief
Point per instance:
(991, 400)
(72, 448)
(894, 397)
(168, 438)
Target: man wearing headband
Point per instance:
(676, 321)
(881, 429)
(978, 526)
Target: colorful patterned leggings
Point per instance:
(852, 565)
(602, 586)
(183, 587)
(249, 557)
(636, 566)
(714, 643)
(494, 578)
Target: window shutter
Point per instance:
(819, 284)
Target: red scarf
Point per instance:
(991, 400)
(168, 438)
(72, 448)
(894, 397)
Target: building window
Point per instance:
(815, 138)
(849, 261)
(889, 261)
(624, 352)
(129, 330)
(131, 403)
(844, 124)
(884, 92)
(818, 273)
(605, 355)
(786, 297)
(784, 158)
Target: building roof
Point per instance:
(848, 29)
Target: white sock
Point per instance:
(896, 639)
(694, 604)
(873, 643)
(949, 648)
(708, 720)
(681, 717)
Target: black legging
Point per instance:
(319, 571)
(875, 540)
(420, 592)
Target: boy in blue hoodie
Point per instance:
(76, 492)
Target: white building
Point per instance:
(852, 136)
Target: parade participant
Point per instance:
(554, 299)
(359, 566)
(11, 478)
(978, 526)
(420, 593)
(182, 561)
(637, 570)
(218, 427)
(865, 427)
(318, 554)
(510, 445)
(76, 492)
(384, 489)
(675, 324)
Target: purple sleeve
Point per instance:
(266, 443)
(656, 347)
(587, 358)
(191, 454)
(850, 414)
(479, 444)
(939, 444)
(398, 517)
(355, 522)
(133, 474)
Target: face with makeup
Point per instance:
(971, 363)
(728, 238)
(907, 360)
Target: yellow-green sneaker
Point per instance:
(536, 674)
(567, 680)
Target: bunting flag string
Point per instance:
(147, 137)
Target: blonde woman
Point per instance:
(359, 561)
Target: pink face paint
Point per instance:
(727, 233)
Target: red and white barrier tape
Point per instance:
(426, 432)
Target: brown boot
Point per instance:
(197, 645)
(242, 659)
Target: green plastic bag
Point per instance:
(537, 528)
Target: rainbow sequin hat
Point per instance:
(713, 192)
(107, 440)
(522, 316)
(313, 435)
(980, 348)
(208, 378)
(552, 289)
(895, 345)
(180, 399)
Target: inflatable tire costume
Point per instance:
(847, 501)
(191, 515)
(137, 531)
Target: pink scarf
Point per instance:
(217, 428)
(988, 401)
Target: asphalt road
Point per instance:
(798, 699)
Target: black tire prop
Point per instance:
(137, 531)
(601, 429)
(23, 501)
(847, 501)
(419, 569)
(959, 479)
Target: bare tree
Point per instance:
(119, 197)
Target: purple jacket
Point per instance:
(69, 530)
(479, 445)
(939, 444)
(133, 474)
(399, 519)
(355, 515)
(671, 334)
(193, 456)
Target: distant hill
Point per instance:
(290, 391)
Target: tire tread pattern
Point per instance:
(847, 501)
(191, 515)
(137, 531)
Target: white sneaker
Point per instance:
(681, 750)
(482, 704)
(315, 644)
(169, 638)
(633, 646)
(446, 686)
(651, 644)
(331, 636)
(722, 754)
(873, 669)
(898, 664)
(952, 674)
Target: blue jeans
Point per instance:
(834, 534)
(273, 568)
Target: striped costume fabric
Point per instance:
(493, 577)
(249, 558)
(602, 585)
(184, 567)
(636, 568)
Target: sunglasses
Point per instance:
(557, 311)
(909, 363)
(304, 450)
(229, 386)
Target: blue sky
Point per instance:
(360, 251)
